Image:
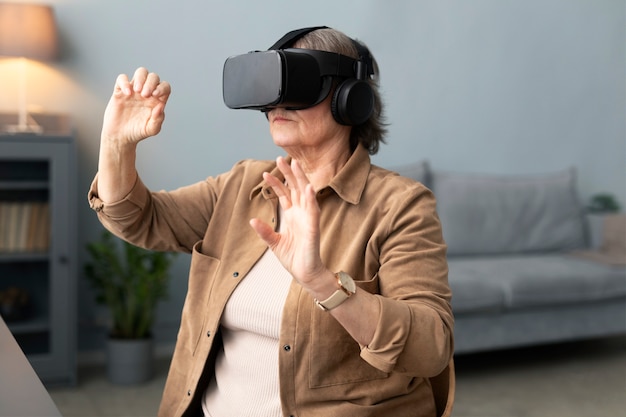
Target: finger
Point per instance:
(312, 206)
(158, 115)
(265, 232)
(151, 83)
(122, 85)
(155, 123)
(162, 91)
(284, 196)
(285, 168)
(301, 178)
(139, 78)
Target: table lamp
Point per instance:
(27, 31)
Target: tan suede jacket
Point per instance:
(380, 228)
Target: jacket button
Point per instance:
(189, 393)
(286, 348)
(235, 274)
(208, 334)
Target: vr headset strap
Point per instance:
(290, 37)
(364, 54)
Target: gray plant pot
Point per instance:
(596, 229)
(129, 361)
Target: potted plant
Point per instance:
(603, 203)
(129, 281)
(600, 206)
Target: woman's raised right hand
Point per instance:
(136, 109)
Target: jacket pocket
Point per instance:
(335, 356)
(201, 278)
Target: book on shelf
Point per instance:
(24, 226)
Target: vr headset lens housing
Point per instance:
(290, 78)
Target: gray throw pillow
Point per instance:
(504, 214)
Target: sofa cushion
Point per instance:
(492, 214)
(419, 171)
(471, 292)
(550, 280)
(536, 280)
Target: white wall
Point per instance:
(498, 86)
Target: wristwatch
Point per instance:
(347, 287)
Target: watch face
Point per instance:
(347, 282)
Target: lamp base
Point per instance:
(29, 127)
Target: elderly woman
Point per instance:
(318, 282)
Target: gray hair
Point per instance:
(371, 133)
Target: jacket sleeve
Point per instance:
(414, 334)
(165, 221)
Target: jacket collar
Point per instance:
(350, 181)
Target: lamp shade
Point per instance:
(28, 31)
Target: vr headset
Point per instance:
(295, 79)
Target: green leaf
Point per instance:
(130, 281)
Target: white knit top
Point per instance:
(246, 370)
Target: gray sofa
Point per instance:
(516, 254)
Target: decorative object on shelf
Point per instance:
(130, 281)
(15, 304)
(27, 31)
(26, 226)
(600, 208)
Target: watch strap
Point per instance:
(347, 287)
